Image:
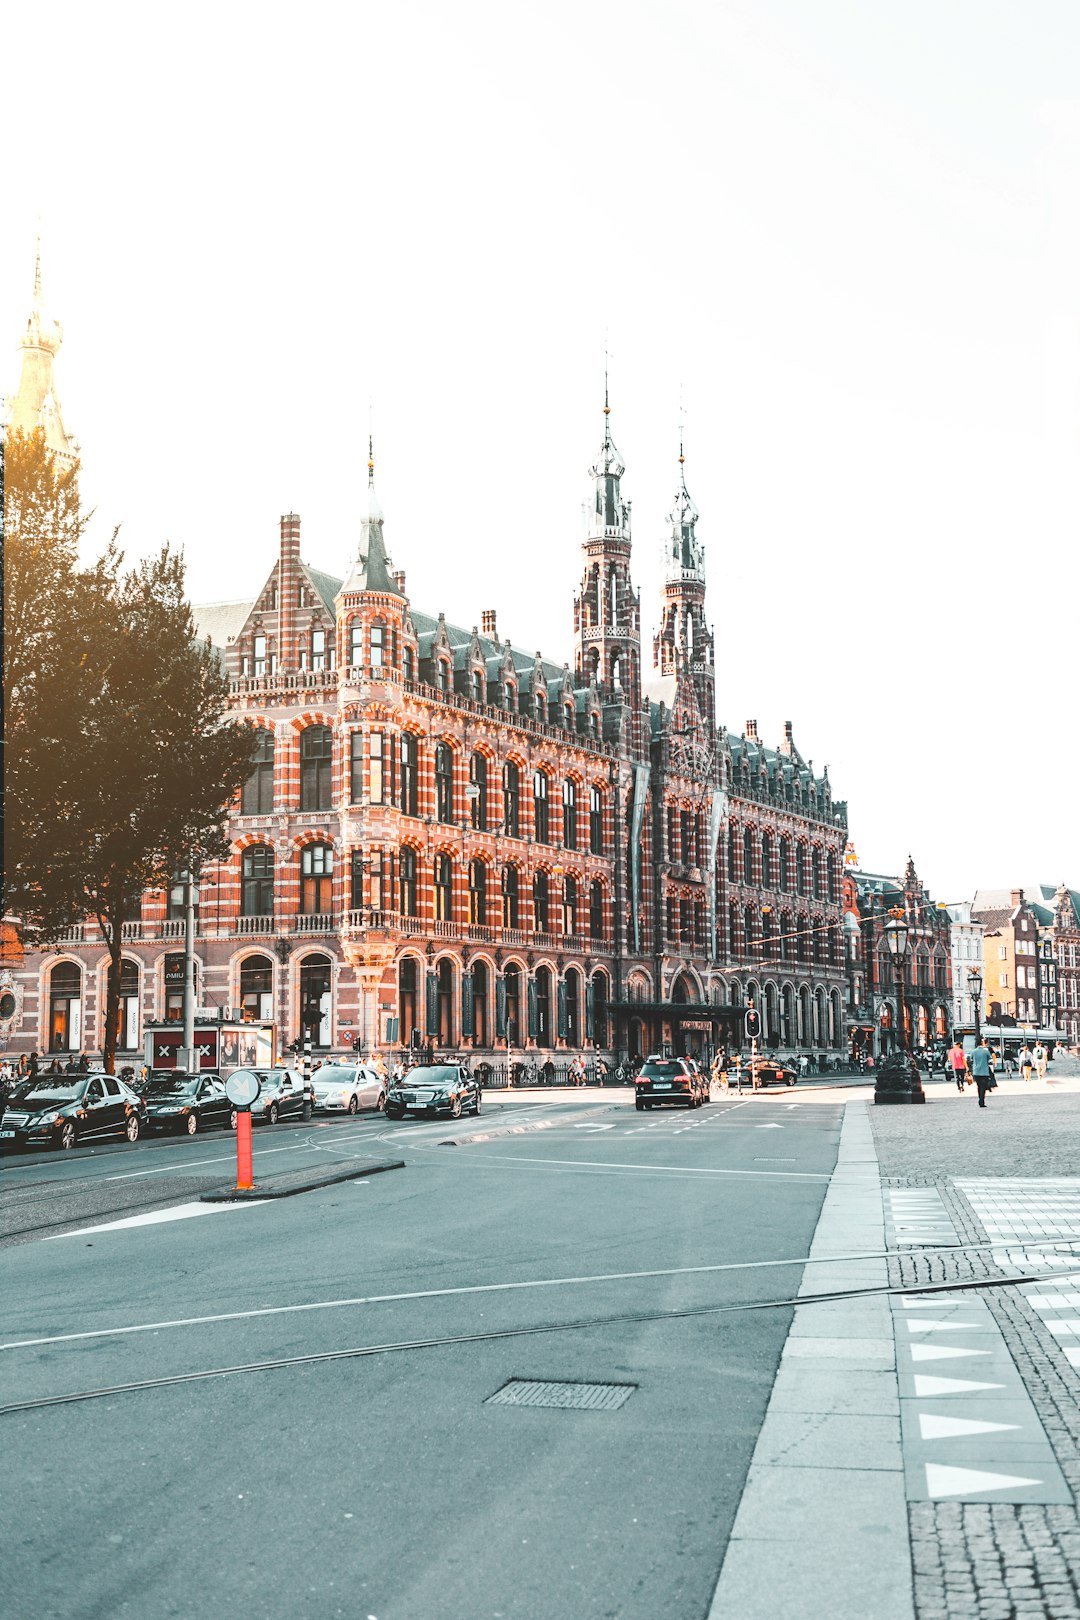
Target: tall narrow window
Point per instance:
(376, 778)
(541, 903)
(258, 658)
(443, 888)
(596, 909)
(540, 808)
(258, 794)
(316, 879)
(378, 645)
(477, 893)
(65, 1007)
(766, 861)
(408, 664)
(596, 821)
(316, 767)
(127, 1017)
(257, 987)
(444, 782)
(356, 768)
(407, 999)
(257, 881)
(356, 643)
(510, 897)
(478, 800)
(318, 649)
(570, 905)
(408, 773)
(569, 814)
(511, 800)
(407, 882)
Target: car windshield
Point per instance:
(663, 1067)
(42, 1094)
(177, 1086)
(436, 1074)
(334, 1074)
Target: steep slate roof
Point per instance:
(220, 620)
(327, 585)
(1046, 907)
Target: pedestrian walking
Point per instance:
(982, 1071)
(957, 1064)
(34, 1066)
(1039, 1059)
(1026, 1063)
(601, 1071)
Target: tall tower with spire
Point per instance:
(684, 639)
(371, 603)
(36, 404)
(607, 610)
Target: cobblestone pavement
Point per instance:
(995, 1561)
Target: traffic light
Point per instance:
(357, 1044)
(753, 1024)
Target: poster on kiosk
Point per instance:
(220, 1047)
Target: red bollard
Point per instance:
(244, 1173)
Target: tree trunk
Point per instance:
(112, 929)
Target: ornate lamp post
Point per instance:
(975, 984)
(898, 1079)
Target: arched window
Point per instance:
(477, 893)
(512, 992)
(316, 979)
(444, 1001)
(511, 778)
(378, 644)
(408, 664)
(541, 706)
(481, 995)
(832, 876)
(766, 861)
(747, 856)
(407, 999)
(407, 883)
(748, 931)
(444, 782)
(785, 865)
(356, 643)
(541, 830)
(569, 814)
(571, 1021)
(596, 909)
(444, 888)
(257, 881)
(800, 867)
(258, 795)
(478, 685)
(316, 879)
(478, 800)
(127, 1016)
(316, 768)
(541, 902)
(596, 821)
(816, 867)
(570, 904)
(734, 938)
(257, 987)
(511, 901)
(732, 866)
(599, 1032)
(442, 675)
(409, 774)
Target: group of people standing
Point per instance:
(980, 1065)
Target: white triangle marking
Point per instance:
(939, 1327)
(942, 1481)
(941, 1352)
(927, 1386)
(932, 1427)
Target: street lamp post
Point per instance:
(898, 1079)
(975, 984)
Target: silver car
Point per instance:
(344, 1088)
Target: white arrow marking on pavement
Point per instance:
(581, 1125)
(932, 1427)
(181, 1212)
(771, 1126)
(922, 1326)
(926, 1387)
(941, 1352)
(942, 1481)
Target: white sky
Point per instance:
(846, 231)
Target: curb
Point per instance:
(508, 1130)
(290, 1183)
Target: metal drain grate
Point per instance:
(576, 1397)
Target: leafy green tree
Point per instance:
(124, 765)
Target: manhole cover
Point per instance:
(579, 1397)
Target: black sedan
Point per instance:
(186, 1103)
(771, 1072)
(433, 1089)
(57, 1111)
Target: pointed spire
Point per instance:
(610, 511)
(35, 404)
(371, 568)
(685, 553)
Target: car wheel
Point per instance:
(308, 1110)
(791, 1082)
(68, 1135)
(476, 1105)
(133, 1130)
(380, 1106)
(271, 1113)
(352, 1104)
(455, 1108)
(394, 1112)
(639, 1105)
(191, 1124)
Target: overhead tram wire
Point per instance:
(359, 1352)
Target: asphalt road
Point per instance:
(387, 1484)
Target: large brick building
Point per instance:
(451, 840)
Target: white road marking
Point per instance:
(665, 1169)
(156, 1217)
(925, 1386)
(942, 1352)
(932, 1427)
(942, 1481)
(226, 1158)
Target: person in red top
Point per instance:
(958, 1064)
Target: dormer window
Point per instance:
(541, 706)
(478, 686)
(318, 649)
(442, 675)
(408, 665)
(258, 655)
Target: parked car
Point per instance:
(347, 1087)
(767, 1071)
(284, 1094)
(432, 1089)
(186, 1103)
(663, 1080)
(59, 1110)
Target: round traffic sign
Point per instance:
(242, 1088)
